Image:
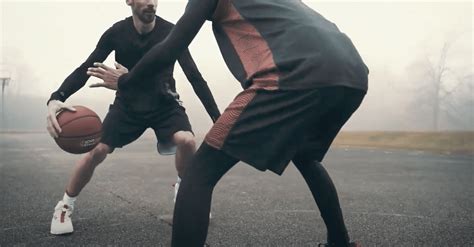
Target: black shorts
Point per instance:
(121, 126)
(269, 128)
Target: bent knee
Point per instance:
(100, 152)
(184, 139)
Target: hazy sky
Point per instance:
(43, 41)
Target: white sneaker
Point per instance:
(176, 188)
(61, 222)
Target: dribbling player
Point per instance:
(154, 104)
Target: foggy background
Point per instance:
(419, 55)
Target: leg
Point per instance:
(325, 194)
(118, 129)
(339, 103)
(185, 148)
(85, 168)
(174, 134)
(191, 213)
(61, 222)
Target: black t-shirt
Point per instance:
(129, 46)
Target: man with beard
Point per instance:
(154, 104)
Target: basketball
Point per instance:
(81, 130)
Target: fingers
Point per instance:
(50, 128)
(96, 72)
(63, 105)
(56, 125)
(69, 108)
(98, 85)
(120, 67)
(53, 126)
(99, 70)
(51, 131)
(101, 65)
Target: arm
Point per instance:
(165, 53)
(75, 81)
(199, 84)
(78, 78)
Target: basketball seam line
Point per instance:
(66, 123)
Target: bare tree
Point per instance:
(446, 91)
(458, 103)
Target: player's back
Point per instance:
(286, 38)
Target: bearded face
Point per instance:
(145, 10)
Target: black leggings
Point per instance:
(191, 213)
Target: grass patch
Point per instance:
(439, 142)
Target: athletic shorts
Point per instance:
(269, 128)
(121, 126)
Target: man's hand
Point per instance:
(108, 75)
(55, 106)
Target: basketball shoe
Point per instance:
(61, 222)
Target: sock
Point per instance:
(69, 200)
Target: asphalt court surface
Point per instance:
(389, 198)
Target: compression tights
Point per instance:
(191, 213)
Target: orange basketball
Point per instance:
(81, 130)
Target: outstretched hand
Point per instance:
(108, 75)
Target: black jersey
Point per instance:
(285, 44)
(129, 47)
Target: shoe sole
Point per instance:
(61, 233)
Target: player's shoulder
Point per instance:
(121, 24)
(117, 30)
(161, 21)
